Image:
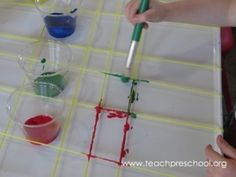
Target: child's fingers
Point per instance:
(131, 9)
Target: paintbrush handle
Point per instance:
(138, 27)
(144, 5)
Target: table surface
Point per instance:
(178, 112)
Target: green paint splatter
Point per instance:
(132, 99)
(133, 96)
(113, 74)
(133, 115)
(125, 79)
(43, 60)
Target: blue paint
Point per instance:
(59, 25)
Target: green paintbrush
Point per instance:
(136, 34)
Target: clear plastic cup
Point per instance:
(40, 1)
(46, 61)
(59, 16)
(39, 116)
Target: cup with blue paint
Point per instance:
(46, 61)
(59, 16)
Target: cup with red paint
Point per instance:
(39, 116)
(46, 61)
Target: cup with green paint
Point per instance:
(46, 61)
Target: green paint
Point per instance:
(43, 60)
(132, 98)
(133, 115)
(52, 78)
(147, 81)
(137, 96)
(126, 79)
(113, 74)
(45, 90)
(123, 78)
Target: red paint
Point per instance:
(98, 111)
(115, 113)
(41, 128)
(120, 114)
(126, 126)
(111, 114)
(124, 151)
(105, 159)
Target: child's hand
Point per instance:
(155, 13)
(230, 169)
